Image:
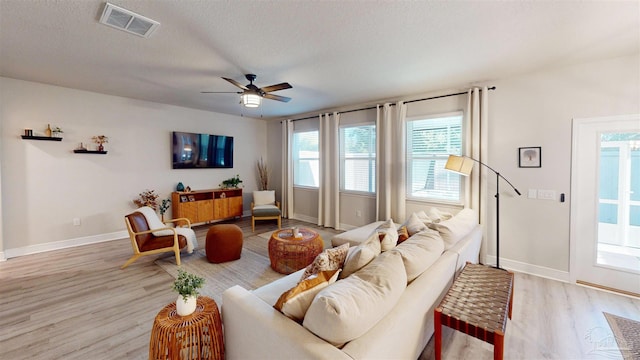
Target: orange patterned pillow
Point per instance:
(294, 302)
(403, 234)
(329, 259)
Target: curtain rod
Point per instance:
(393, 104)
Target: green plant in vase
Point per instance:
(230, 183)
(164, 206)
(187, 285)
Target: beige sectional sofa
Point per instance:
(382, 311)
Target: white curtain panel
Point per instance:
(328, 191)
(390, 162)
(287, 169)
(399, 163)
(477, 195)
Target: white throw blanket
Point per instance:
(154, 223)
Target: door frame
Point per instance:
(577, 123)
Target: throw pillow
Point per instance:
(294, 302)
(414, 224)
(388, 235)
(361, 255)
(437, 215)
(264, 197)
(403, 234)
(329, 259)
(454, 229)
(424, 217)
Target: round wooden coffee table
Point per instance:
(289, 254)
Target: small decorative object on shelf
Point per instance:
(187, 286)
(100, 140)
(147, 198)
(187, 189)
(47, 131)
(232, 183)
(57, 132)
(28, 132)
(180, 187)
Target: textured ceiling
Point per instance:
(333, 53)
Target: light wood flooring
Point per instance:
(77, 304)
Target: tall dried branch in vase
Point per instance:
(263, 174)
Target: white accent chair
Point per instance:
(265, 207)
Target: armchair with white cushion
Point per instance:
(265, 207)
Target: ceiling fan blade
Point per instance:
(236, 83)
(276, 87)
(220, 92)
(277, 97)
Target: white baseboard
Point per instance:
(57, 245)
(536, 270)
(2, 257)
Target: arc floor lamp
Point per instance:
(463, 166)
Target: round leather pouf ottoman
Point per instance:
(224, 243)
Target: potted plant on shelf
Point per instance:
(187, 286)
(231, 183)
(147, 198)
(100, 140)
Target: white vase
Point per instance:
(184, 308)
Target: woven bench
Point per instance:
(478, 304)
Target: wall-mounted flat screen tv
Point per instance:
(193, 151)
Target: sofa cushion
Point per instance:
(414, 224)
(329, 259)
(349, 308)
(388, 235)
(455, 228)
(355, 236)
(294, 302)
(361, 255)
(420, 251)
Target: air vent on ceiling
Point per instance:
(128, 21)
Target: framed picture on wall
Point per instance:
(530, 157)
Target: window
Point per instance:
(358, 158)
(429, 142)
(306, 160)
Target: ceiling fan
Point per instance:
(252, 95)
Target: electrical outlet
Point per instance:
(76, 221)
(547, 194)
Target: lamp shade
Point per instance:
(251, 100)
(459, 164)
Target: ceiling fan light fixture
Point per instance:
(251, 100)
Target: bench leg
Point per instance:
(437, 324)
(498, 346)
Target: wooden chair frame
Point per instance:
(134, 244)
(254, 218)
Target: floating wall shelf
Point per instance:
(78, 151)
(49, 138)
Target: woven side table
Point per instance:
(195, 336)
(478, 304)
(289, 254)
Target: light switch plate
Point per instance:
(533, 194)
(547, 194)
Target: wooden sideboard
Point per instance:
(207, 205)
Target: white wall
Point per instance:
(533, 109)
(536, 110)
(45, 185)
